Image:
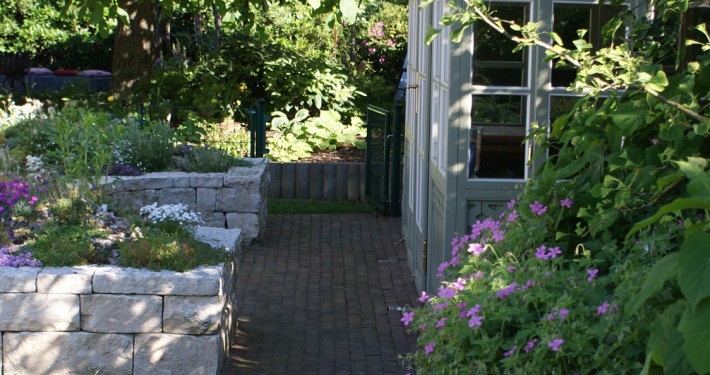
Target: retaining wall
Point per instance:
(318, 181)
(236, 199)
(111, 320)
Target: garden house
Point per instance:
(469, 108)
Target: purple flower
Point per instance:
(475, 321)
(554, 252)
(566, 202)
(538, 208)
(407, 318)
(511, 269)
(473, 311)
(602, 309)
(511, 204)
(459, 284)
(505, 292)
(441, 269)
(562, 313)
(511, 351)
(476, 249)
(530, 345)
(381, 59)
(429, 348)
(512, 216)
(441, 323)
(555, 344)
(8, 258)
(592, 274)
(478, 275)
(424, 298)
(371, 50)
(440, 306)
(447, 293)
(540, 253)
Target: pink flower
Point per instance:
(555, 344)
(476, 249)
(505, 292)
(566, 202)
(424, 298)
(592, 274)
(459, 284)
(371, 50)
(511, 351)
(478, 275)
(441, 323)
(407, 318)
(391, 43)
(538, 208)
(602, 309)
(429, 348)
(530, 345)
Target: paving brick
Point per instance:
(313, 297)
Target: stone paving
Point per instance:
(314, 296)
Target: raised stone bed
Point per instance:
(111, 320)
(235, 199)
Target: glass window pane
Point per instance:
(496, 148)
(568, 20)
(494, 62)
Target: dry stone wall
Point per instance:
(111, 320)
(236, 199)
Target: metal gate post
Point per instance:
(395, 169)
(261, 129)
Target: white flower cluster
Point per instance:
(178, 213)
(34, 164)
(14, 114)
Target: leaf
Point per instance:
(665, 269)
(661, 331)
(678, 204)
(431, 34)
(457, 35)
(630, 116)
(694, 269)
(315, 4)
(349, 9)
(695, 327)
(658, 82)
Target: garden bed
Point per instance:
(235, 199)
(106, 319)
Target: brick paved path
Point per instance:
(313, 297)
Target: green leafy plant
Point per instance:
(67, 245)
(148, 148)
(208, 159)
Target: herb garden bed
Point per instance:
(105, 319)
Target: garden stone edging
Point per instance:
(235, 199)
(106, 319)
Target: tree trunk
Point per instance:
(134, 50)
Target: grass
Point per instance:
(302, 206)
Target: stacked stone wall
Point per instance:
(111, 320)
(235, 199)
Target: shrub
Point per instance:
(208, 159)
(147, 148)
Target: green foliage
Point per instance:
(298, 137)
(158, 250)
(208, 159)
(635, 163)
(148, 148)
(67, 245)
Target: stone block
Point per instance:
(247, 222)
(65, 280)
(192, 315)
(238, 200)
(206, 199)
(202, 281)
(134, 200)
(18, 280)
(39, 312)
(182, 179)
(214, 219)
(185, 196)
(177, 354)
(242, 182)
(207, 180)
(108, 313)
(219, 238)
(67, 353)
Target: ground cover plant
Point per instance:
(53, 211)
(601, 264)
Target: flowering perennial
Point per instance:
(177, 213)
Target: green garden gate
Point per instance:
(383, 168)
